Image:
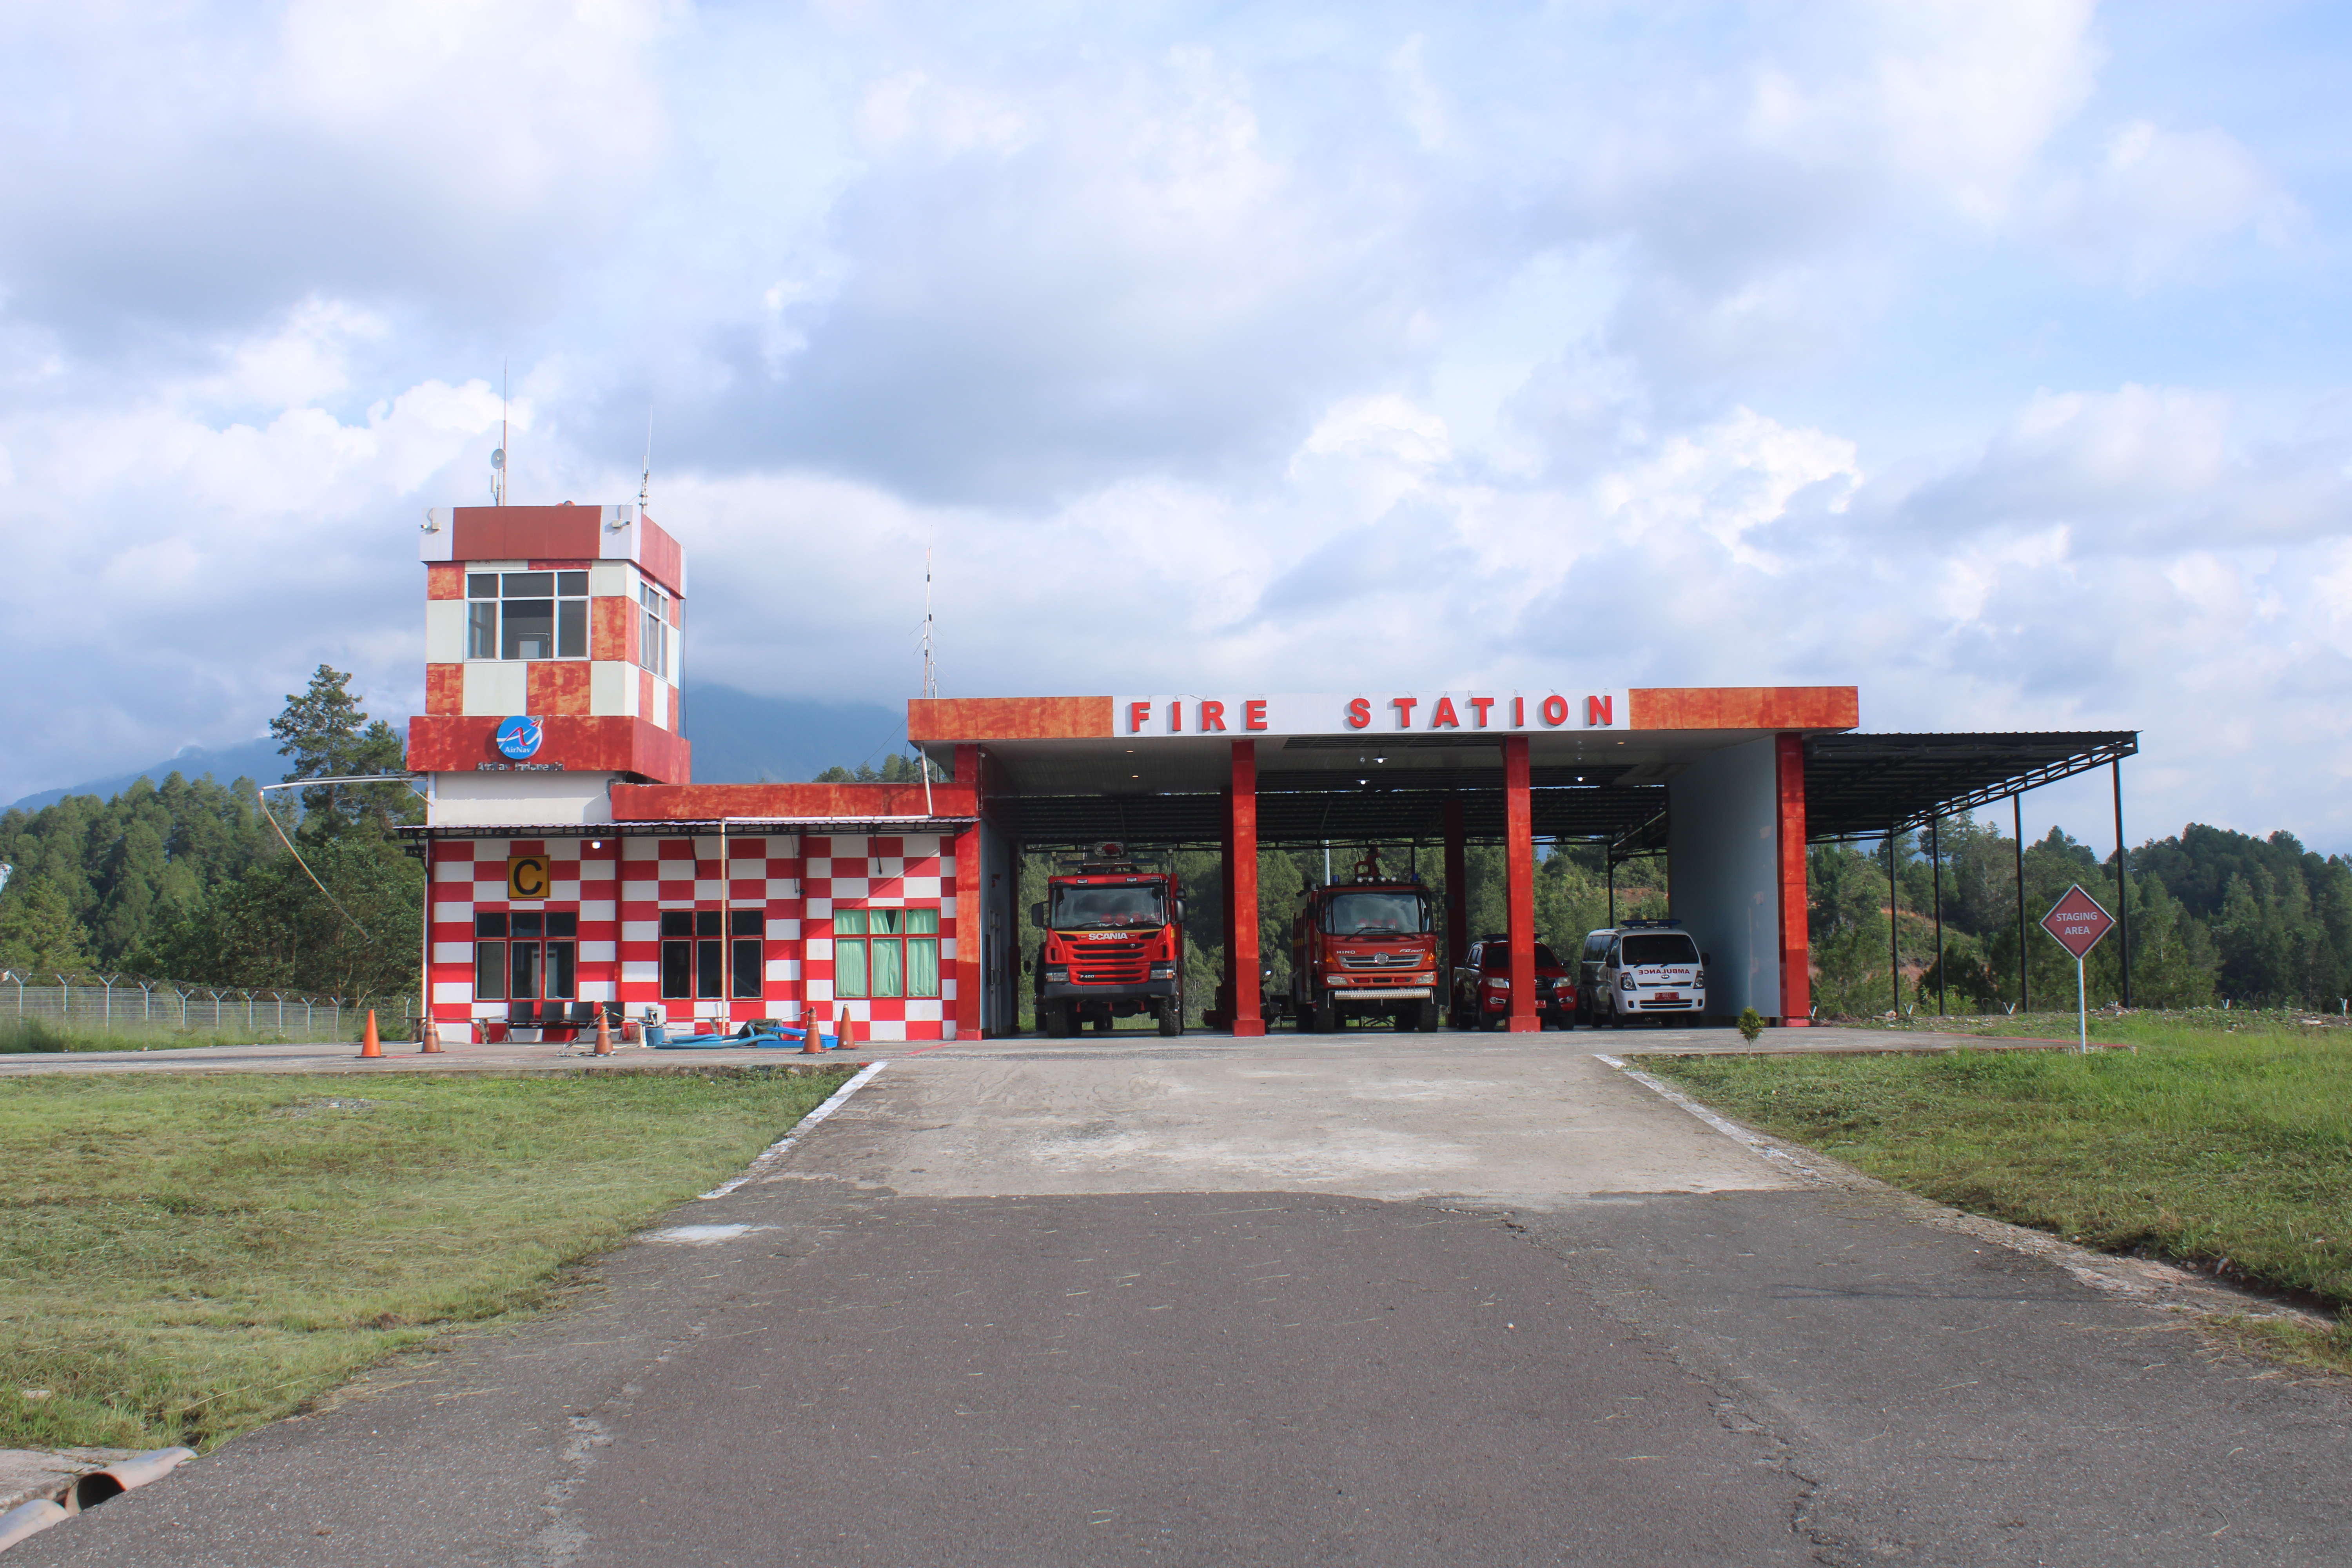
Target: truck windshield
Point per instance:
(1675, 948)
(1376, 914)
(1498, 956)
(1091, 909)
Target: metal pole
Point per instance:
(2082, 1014)
(2123, 894)
(1935, 874)
(1894, 939)
(1611, 861)
(2017, 821)
(727, 938)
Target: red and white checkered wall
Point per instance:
(621, 889)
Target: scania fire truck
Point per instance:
(1114, 947)
(1365, 948)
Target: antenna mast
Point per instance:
(646, 484)
(931, 683)
(498, 458)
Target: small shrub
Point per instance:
(18, 1034)
(1751, 1023)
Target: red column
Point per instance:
(1457, 888)
(1520, 883)
(1221, 1014)
(1796, 948)
(1241, 948)
(970, 920)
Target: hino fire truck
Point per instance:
(1114, 947)
(1367, 949)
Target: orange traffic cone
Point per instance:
(845, 1034)
(813, 1020)
(429, 1041)
(604, 1034)
(369, 1045)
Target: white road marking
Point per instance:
(1731, 1130)
(768, 1155)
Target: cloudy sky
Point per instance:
(1989, 356)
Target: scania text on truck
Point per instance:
(1365, 948)
(1113, 948)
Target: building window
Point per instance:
(653, 633)
(885, 952)
(523, 957)
(526, 615)
(690, 968)
(689, 954)
(748, 931)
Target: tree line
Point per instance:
(198, 881)
(193, 881)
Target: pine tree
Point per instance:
(38, 934)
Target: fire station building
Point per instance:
(573, 862)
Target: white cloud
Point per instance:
(1442, 345)
(2155, 198)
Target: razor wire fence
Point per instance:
(134, 1004)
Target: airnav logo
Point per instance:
(518, 738)
(1433, 713)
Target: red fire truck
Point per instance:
(1365, 948)
(1114, 947)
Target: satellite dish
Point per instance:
(499, 459)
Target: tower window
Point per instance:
(526, 615)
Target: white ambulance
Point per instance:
(1640, 969)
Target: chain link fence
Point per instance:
(133, 1005)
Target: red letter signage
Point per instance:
(1403, 705)
(1253, 714)
(1360, 712)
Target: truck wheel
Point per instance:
(1326, 1018)
(1490, 1022)
(1171, 1016)
(1103, 1022)
(1054, 1020)
(1427, 1022)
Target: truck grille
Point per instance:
(1110, 962)
(1386, 961)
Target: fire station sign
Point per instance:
(1372, 714)
(2077, 922)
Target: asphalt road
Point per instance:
(1019, 1305)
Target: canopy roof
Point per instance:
(1856, 786)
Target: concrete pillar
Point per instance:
(1221, 1015)
(970, 920)
(1796, 953)
(1242, 902)
(1458, 891)
(1520, 883)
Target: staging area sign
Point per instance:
(2077, 922)
(1464, 713)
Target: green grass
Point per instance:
(2225, 1150)
(18, 1036)
(182, 1258)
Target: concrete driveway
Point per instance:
(1370, 1299)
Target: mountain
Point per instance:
(742, 739)
(738, 738)
(257, 760)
